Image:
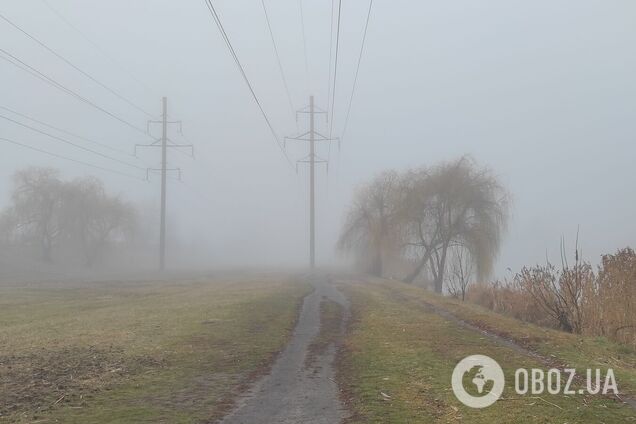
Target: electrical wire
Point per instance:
(355, 80)
(113, 171)
(225, 37)
(302, 25)
(25, 67)
(63, 140)
(98, 47)
(333, 2)
(335, 71)
(280, 65)
(80, 137)
(71, 64)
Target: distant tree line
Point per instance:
(52, 218)
(441, 225)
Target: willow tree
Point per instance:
(92, 219)
(369, 230)
(35, 210)
(77, 217)
(454, 205)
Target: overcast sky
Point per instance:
(543, 92)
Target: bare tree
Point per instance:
(461, 273)
(34, 215)
(77, 216)
(92, 218)
(368, 230)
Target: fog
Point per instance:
(542, 92)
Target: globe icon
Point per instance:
(480, 378)
(478, 381)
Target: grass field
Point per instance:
(399, 355)
(564, 349)
(123, 352)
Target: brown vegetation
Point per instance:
(72, 374)
(574, 298)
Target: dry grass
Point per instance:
(577, 351)
(138, 352)
(399, 356)
(574, 299)
(610, 303)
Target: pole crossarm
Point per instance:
(316, 161)
(298, 137)
(177, 170)
(307, 109)
(150, 122)
(181, 146)
(155, 144)
(169, 145)
(315, 133)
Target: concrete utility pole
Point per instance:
(312, 191)
(163, 143)
(312, 159)
(164, 150)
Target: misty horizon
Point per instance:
(548, 107)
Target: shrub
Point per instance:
(609, 303)
(573, 299)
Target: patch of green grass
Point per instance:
(399, 356)
(138, 352)
(571, 350)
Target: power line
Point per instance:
(335, 71)
(225, 37)
(355, 80)
(335, 75)
(302, 24)
(26, 146)
(280, 65)
(63, 140)
(97, 143)
(26, 67)
(97, 47)
(71, 64)
(333, 2)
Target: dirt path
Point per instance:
(506, 342)
(293, 392)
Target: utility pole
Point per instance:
(164, 154)
(312, 136)
(164, 143)
(312, 191)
